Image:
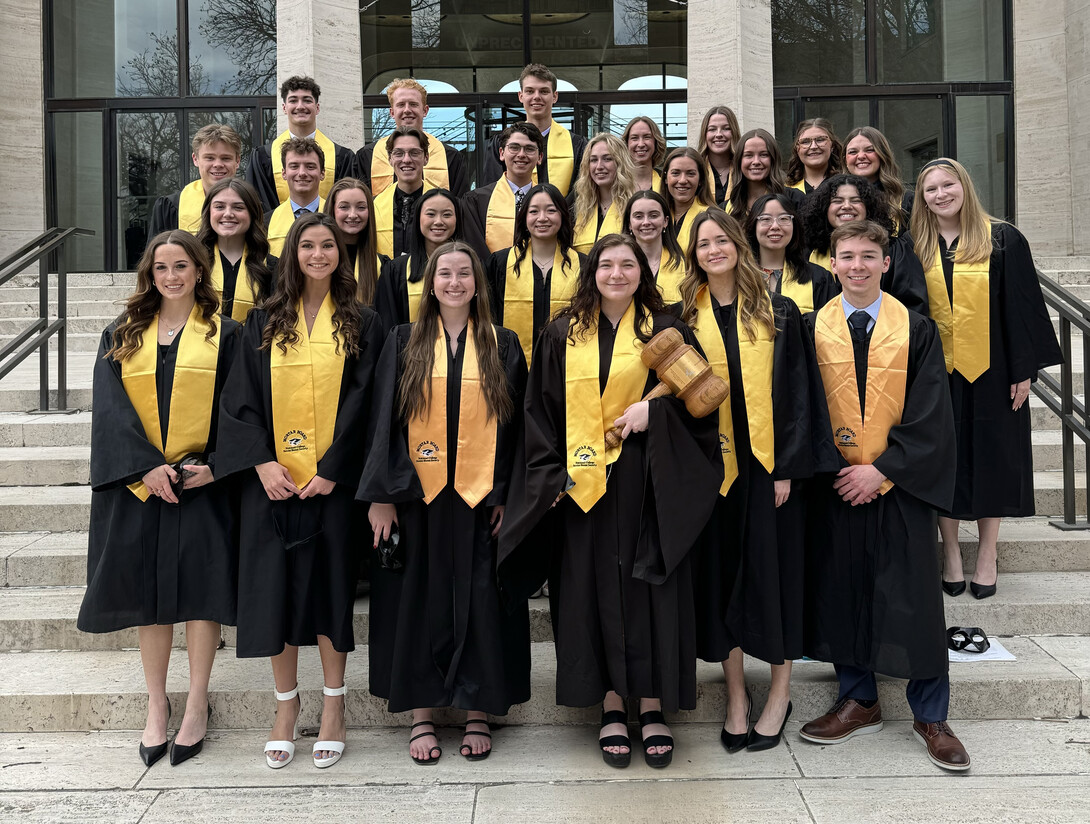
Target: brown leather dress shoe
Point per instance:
(846, 719)
(943, 747)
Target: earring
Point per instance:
(199, 279)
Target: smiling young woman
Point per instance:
(758, 170)
(605, 183)
(352, 206)
(818, 154)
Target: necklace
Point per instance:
(170, 332)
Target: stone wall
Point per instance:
(1078, 107)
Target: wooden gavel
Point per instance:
(682, 372)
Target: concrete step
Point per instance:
(1074, 269)
(75, 308)
(89, 324)
(56, 691)
(126, 280)
(43, 559)
(79, 342)
(1040, 416)
(74, 292)
(1048, 493)
(47, 466)
(56, 509)
(19, 389)
(22, 429)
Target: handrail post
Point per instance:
(1067, 434)
(62, 332)
(43, 349)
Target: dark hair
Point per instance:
(704, 194)
(867, 229)
(656, 134)
(540, 72)
(256, 240)
(368, 248)
(669, 235)
(300, 83)
(418, 251)
(282, 306)
(732, 122)
(301, 146)
(794, 253)
(587, 300)
(739, 190)
(145, 302)
(815, 211)
(406, 131)
(564, 235)
(889, 181)
(529, 129)
(796, 170)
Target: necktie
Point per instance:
(302, 210)
(858, 321)
(519, 195)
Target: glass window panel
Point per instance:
(982, 148)
(784, 114)
(78, 182)
(845, 115)
(115, 48)
(232, 47)
(268, 125)
(940, 40)
(914, 131)
(238, 120)
(818, 43)
(148, 166)
(670, 117)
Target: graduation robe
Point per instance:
(750, 566)
(154, 562)
(994, 453)
(164, 215)
(620, 585)
(293, 596)
(456, 168)
(392, 292)
(873, 595)
(823, 286)
(494, 169)
(475, 216)
(259, 173)
(230, 278)
(439, 633)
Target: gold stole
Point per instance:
(682, 229)
(559, 160)
(415, 291)
(713, 176)
(801, 186)
(190, 203)
(587, 233)
(589, 412)
(518, 293)
(384, 219)
(669, 278)
(280, 224)
(435, 172)
(306, 390)
(965, 326)
(862, 441)
(329, 150)
(499, 219)
(244, 290)
(755, 358)
(190, 394)
(824, 260)
(476, 430)
(801, 293)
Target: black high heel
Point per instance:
(953, 588)
(981, 591)
(180, 753)
(758, 742)
(149, 755)
(735, 741)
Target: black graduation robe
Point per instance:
(439, 633)
(164, 214)
(154, 562)
(496, 270)
(823, 285)
(392, 292)
(263, 288)
(494, 169)
(456, 167)
(292, 596)
(475, 216)
(259, 173)
(750, 567)
(994, 452)
(621, 588)
(873, 594)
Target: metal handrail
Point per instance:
(1059, 396)
(41, 329)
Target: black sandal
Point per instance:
(656, 760)
(466, 751)
(425, 762)
(615, 759)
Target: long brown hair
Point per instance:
(753, 303)
(418, 359)
(704, 194)
(975, 243)
(587, 300)
(738, 199)
(796, 169)
(656, 135)
(282, 307)
(366, 242)
(144, 303)
(256, 240)
(889, 170)
(674, 253)
(732, 121)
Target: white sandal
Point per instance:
(284, 746)
(330, 746)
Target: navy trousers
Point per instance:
(929, 698)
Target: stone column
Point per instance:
(321, 38)
(1078, 106)
(22, 213)
(730, 61)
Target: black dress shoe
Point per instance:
(149, 755)
(953, 588)
(180, 753)
(981, 591)
(759, 742)
(735, 741)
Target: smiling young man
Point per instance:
(407, 148)
(489, 212)
(216, 153)
(300, 105)
(874, 601)
(562, 152)
(303, 170)
(445, 168)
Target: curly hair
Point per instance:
(366, 242)
(738, 198)
(564, 235)
(587, 197)
(796, 169)
(674, 253)
(256, 240)
(794, 254)
(815, 211)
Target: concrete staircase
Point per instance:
(54, 678)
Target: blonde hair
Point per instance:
(406, 83)
(975, 243)
(217, 133)
(586, 191)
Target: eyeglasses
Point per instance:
(520, 149)
(398, 154)
(807, 142)
(779, 220)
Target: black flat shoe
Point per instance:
(615, 759)
(759, 742)
(953, 588)
(981, 591)
(735, 741)
(149, 755)
(656, 760)
(180, 753)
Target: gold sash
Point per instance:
(306, 390)
(280, 224)
(965, 326)
(190, 203)
(559, 160)
(415, 291)
(755, 358)
(824, 260)
(190, 395)
(244, 291)
(518, 293)
(669, 278)
(384, 219)
(682, 229)
(862, 441)
(801, 293)
(589, 413)
(713, 177)
(329, 150)
(587, 233)
(435, 171)
(801, 186)
(476, 430)
(499, 220)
